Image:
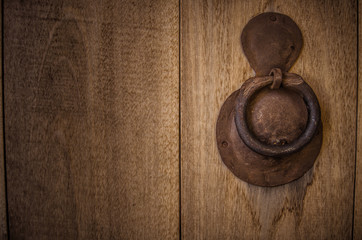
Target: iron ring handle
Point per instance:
(292, 82)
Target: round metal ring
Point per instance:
(291, 82)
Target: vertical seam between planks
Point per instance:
(179, 113)
(3, 123)
(357, 126)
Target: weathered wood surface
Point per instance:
(3, 220)
(358, 185)
(91, 105)
(215, 204)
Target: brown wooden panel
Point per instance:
(217, 205)
(3, 220)
(91, 105)
(358, 185)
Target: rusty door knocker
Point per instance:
(269, 132)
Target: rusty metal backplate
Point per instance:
(255, 168)
(271, 40)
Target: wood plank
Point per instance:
(3, 216)
(91, 105)
(358, 185)
(215, 204)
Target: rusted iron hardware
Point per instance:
(269, 132)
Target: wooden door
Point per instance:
(215, 204)
(91, 126)
(110, 110)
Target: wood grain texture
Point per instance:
(358, 185)
(217, 205)
(91, 103)
(3, 218)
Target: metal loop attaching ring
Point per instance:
(291, 82)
